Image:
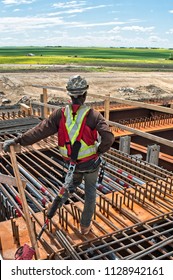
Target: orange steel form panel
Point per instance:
(143, 149)
(9, 245)
(101, 226)
(120, 107)
(119, 132)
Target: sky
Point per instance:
(104, 23)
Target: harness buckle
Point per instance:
(71, 167)
(69, 176)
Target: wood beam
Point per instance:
(49, 87)
(136, 103)
(6, 179)
(143, 105)
(142, 134)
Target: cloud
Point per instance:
(116, 29)
(17, 2)
(157, 39)
(105, 41)
(16, 10)
(134, 28)
(170, 31)
(19, 24)
(78, 10)
(171, 11)
(62, 38)
(96, 24)
(8, 38)
(138, 28)
(70, 4)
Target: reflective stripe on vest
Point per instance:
(73, 126)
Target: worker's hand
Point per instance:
(7, 144)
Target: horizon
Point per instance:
(96, 47)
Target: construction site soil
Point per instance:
(127, 85)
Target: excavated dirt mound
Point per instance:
(129, 85)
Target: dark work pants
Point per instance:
(90, 180)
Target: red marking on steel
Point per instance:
(43, 189)
(44, 201)
(19, 214)
(18, 200)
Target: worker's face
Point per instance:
(80, 99)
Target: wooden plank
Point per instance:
(136, 104)
(48, 87)
(47, 105)
(24, 201)
(17, 147)
(6, 179)
(143, 105)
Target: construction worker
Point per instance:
(75, 123)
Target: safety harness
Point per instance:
(73, 128)
(73, 151)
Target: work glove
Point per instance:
(7, 144)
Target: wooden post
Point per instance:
(24, 202)
(41, 107)
(43, 99)
(107, 106)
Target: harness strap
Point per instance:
(82, 128)
(67, 139)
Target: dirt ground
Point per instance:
(128, 85)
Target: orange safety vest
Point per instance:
(72, 128)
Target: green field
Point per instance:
(113, 57)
